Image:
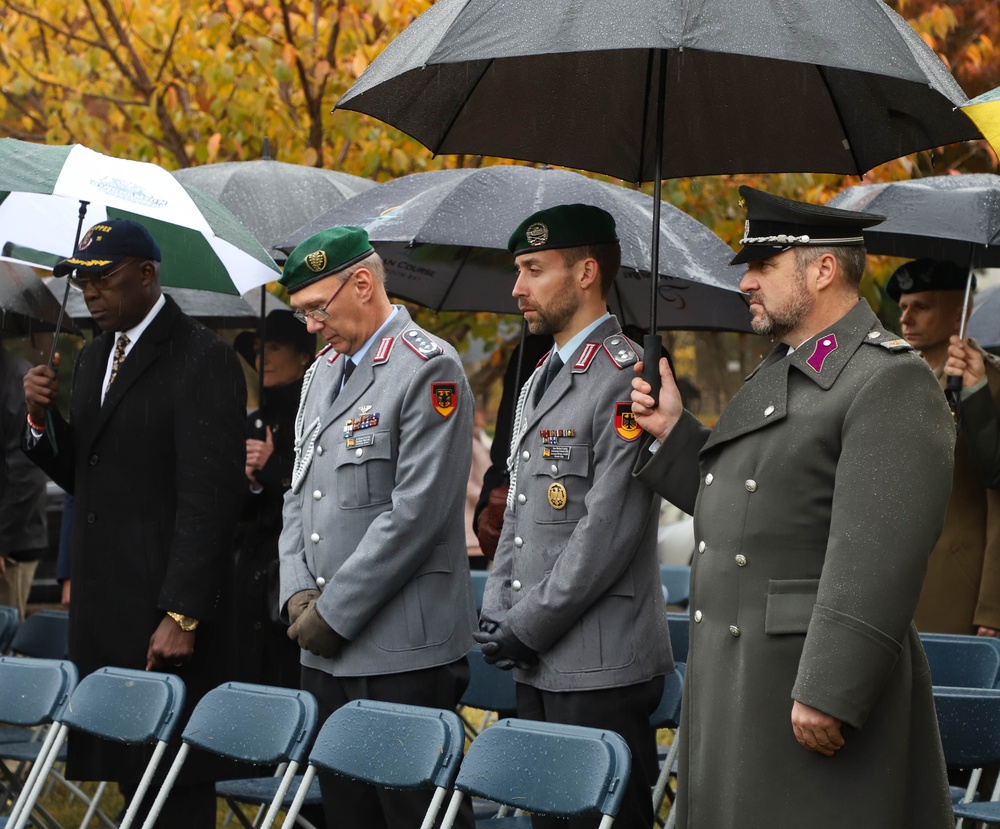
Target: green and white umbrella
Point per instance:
(41, 189)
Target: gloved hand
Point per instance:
(313, 634)
(501, 647)
(298, 603)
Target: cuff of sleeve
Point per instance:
(968, 391)
(844, 666)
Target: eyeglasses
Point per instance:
(319, 314)
(98, 280)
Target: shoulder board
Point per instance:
(383, 350)
(586, 357)
(545, 356)
(421, 343)
(620, 351)
(888, 341)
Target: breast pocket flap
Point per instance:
(790, 605)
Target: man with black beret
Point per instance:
(817, 499)
(374, 569)
(153, 453)
(573, 604)
(961, 593)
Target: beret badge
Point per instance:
(316, 261)
(538, 234)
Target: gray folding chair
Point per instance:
(959, 661)
(10, 619)
(390, 745)
(562, 770)
(33, 693)
(489, 690)
(668, 715)
(256, 724)
(44, 634)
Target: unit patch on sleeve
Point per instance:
(445, 398)
(625, 423)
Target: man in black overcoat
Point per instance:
(153, 452)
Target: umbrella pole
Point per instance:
(651, 342)
(65, 299)
(953, 389)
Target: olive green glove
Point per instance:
(298, 603)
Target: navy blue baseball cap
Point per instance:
(109, 242)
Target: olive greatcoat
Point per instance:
(821, 492)
(962, 588)
(157, 472)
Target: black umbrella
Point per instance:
(955, 218)
(984, 324)
(26, 306)
(270, 197)
(443, 236)
(653, 88)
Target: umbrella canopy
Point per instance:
(25, 305)
(213, 309)
(744, 86)
(984, 324)
(956, 218)
(984, 110)
(41, 187)
(272, 198)
(443, 236)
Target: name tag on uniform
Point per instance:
(556, 453)
(361, 440)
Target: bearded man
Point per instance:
(817, 499)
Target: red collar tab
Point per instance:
(383, 350)
(586, 357)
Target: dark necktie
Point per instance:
(551, 370)
(116, 362)
(349, 367)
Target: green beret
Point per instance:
(563, 226)
(927, 275)
(322, 254)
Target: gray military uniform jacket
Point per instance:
(375, 515)
(821, 492)
(576, 571)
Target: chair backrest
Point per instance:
(969, 721)
(962, 661)
(10, 618)
(489, 688)
(126, 705)
(257, 724)
(391, 744)
(680, 629)
(551, 768)
(677, 579)
(44, 634)
(668, 712)
(34, 691)
(479, 578)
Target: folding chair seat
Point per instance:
(680, 629)
(668, 715)
(257, 724)
(390, 745)
(44, 634)
(962, 661)
(969, 721)
(548, 768)
(33, 692)
(677, 579)
(490, 690)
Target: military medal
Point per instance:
(367, 420)
(551, 436)
(557, 496)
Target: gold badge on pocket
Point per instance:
(557, 496)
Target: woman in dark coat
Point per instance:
(266, 654)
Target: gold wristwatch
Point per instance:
(186, 623)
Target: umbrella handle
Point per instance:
(651, 353)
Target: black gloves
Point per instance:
(501, 647)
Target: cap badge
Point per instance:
(316, 261)
(905, 281)
(538, 234)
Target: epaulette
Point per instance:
(421, 343)
(620, 351)
(889, 342)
